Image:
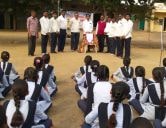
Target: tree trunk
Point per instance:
(14, 23)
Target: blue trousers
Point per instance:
(75, 37)
(31, 45)
(112, 45)
(61, 40)
(44, 42)
(53, 41)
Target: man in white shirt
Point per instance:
(106, 31)
(54, 31)
(87, 27)
(112, 36)
(120, 40)
(62, 21)
(75, 31)
(44, 22)
(127, 35)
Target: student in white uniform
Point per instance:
(152, 104)
(141, 122)
(124, 73)
(45, 25)
(100, 92)
(113, 114)
(90, 78)
(85, 68)
(52, 87)
(54, 31)
(8, 68)
(20, 113)
(138, 84)
(4, 85)
(42, 81)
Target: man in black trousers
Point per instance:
(62, 21)
(32, 27)
(45, 26)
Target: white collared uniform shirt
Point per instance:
(62, 21)
(54, 27)
(128, 28)
(75, 25)
(112, 29)
(45, 24)
(87, 26)
(106, 30)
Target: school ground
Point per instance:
(64, 111)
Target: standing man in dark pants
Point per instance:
(75, 31)
(100, 32)
(128, 27)
(106, 31)
(54, 32)
(120, 41)
(44, 22)
(62, 21)
(32, 27)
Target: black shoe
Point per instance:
(53, 52)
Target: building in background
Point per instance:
(158, 14)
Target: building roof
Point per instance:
(160, 7)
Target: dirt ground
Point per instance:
(64, 112)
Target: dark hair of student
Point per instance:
(94, 66)
(103, 73)
(120, 91)
(164, 62)
(87, 61)
(141, 122)
(5, 58)
(30, 74)
(20, 90)
(126, 61)
(2, 116)
(46, 58)
(158, 76)
(38, 63)
(140, 72)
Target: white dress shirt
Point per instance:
(87, 26)
(128, 28)
(112, 29)
(54, 27)
(45, 24)
(106, 30)
(75, 25)
(62, 21)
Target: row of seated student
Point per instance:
(31, 95)
(102, 102)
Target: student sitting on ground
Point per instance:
(124, 73)
(8, 68)
(4, 85)
(20, 112)
(90, 78)
(52, 87)
(152, 104)
(114, 114)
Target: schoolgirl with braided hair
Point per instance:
(124, 73)
(8, 68)
(114, 114)
(138, 84)
(153, 102)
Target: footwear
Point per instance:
(53, 52)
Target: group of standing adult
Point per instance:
(117, 33)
